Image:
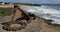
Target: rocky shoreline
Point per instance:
(34, 26)
(31, 27)
(37, 25)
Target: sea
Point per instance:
(49, 12)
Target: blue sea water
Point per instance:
(51, 12)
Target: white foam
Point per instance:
(53, 13)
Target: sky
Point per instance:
(34, 1)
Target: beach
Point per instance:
(38, 25)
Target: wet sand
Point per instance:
(51, 27)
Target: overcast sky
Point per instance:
(34, 1)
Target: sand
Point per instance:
(37, 25)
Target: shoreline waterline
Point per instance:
(45, 11)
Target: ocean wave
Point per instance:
(45, 12)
